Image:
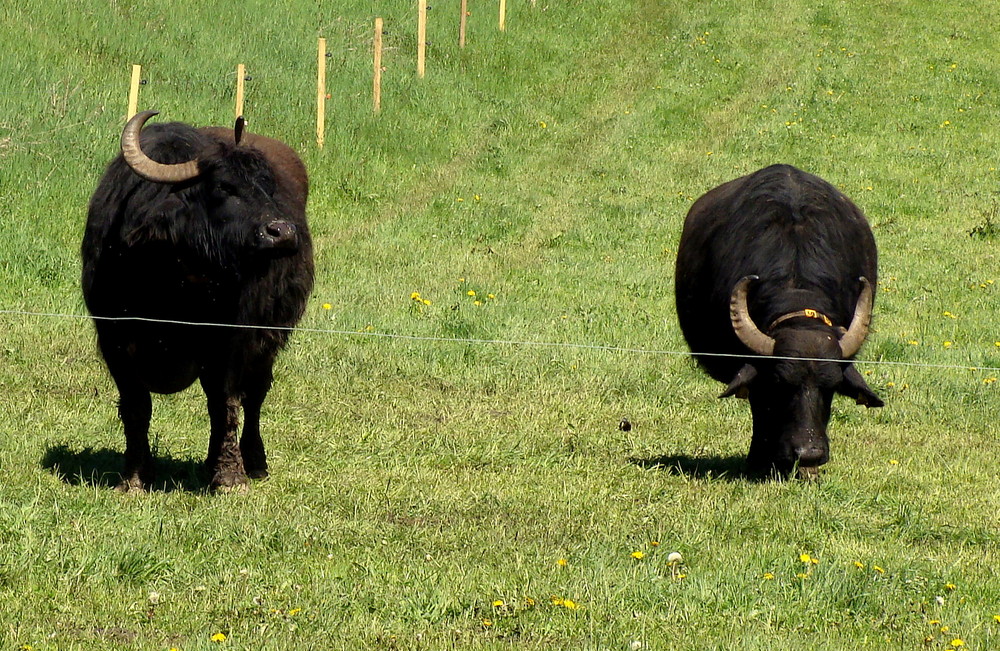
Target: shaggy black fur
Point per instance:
(809, 245)
(231, 246)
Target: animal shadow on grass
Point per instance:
(731, 468)
(102, 468)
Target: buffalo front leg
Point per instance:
(224, 461)
(251, 443)
(135, 407)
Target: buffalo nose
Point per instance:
(810, 455)
(279, 234)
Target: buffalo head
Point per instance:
(803, 361)
(225, 193)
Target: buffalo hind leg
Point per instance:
(224, 461)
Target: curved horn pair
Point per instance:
(763, 344)
(145, 166)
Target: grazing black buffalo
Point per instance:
(776, 270)
(203, 226)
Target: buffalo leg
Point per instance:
(251, 443)
(135, 407)
(224, 461)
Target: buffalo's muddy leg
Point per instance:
(224, 461)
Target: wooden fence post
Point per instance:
(321, 93)
(421, 35)
(377, 82)
(133, 91)
(461, 23)
(241, 74)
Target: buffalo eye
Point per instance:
(227, 188)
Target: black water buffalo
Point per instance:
(204, 226)
(773, 266)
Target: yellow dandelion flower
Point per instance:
(327, 306)
(805, 558)
(477, 197)
(459, 199)
(934, 622)
(950, 315)
(218, 637)
(950, 586)
(426, 301)
(562, 562)
(471, 292)
(415, 296)
(801, 575)
(859, 565)
(893, 462)
(490, 296)
(913, 342)
(529, 602)
(945, 629)
(477, 303)
(814, 560)
(768, 576)
(996, 617)
(989, 380)
(638, 555)
(461, 280)
(569, 603)
(487, 622)
(556, 601)
(878, 569)
(654, 543)
(957, 642)
(947, 344)
(542, 124)
(294, 611)
(498, 603)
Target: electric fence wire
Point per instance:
(495, 342)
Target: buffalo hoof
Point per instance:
(259, 473)
(131, 484)
(229, 483)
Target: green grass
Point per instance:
(417, 483)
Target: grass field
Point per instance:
(441, 492)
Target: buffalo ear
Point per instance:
(740, 386)
(854, 386)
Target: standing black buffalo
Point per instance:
(202, 226)
(785, 250)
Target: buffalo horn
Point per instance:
(238, 129)
(745, 328)
(145, 166)
(851, 342)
